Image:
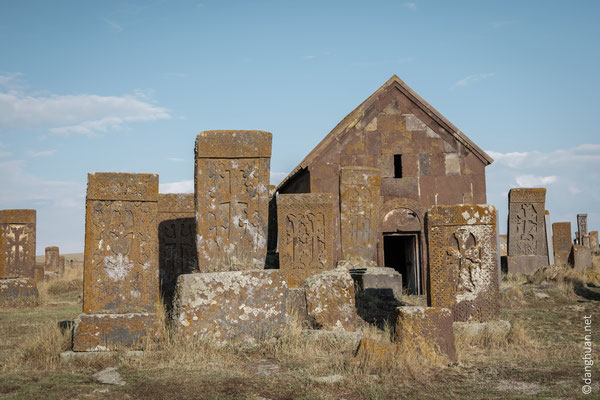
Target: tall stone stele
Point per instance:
(17, 243)
(561, 238)
(463, 262)
(360, 189)
(231, 182)
(176, 240)
(52, 260)
(527, 246)
(305, 229)
(120, 282)
(581, 226)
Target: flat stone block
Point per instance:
(18, 287)
(427, 329)
(330, 300)
(525, 265)
(239, 305)
(377, 353)
(102, 332)
(296, 304)
(233, 144)
(580, 257)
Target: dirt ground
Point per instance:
(542, 359)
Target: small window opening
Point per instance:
(397, 165)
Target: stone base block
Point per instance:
(377, 353)
(426, 329)
(238, 305)
(18, 287)
(561, 258)
(472, 330)
(103, 332)
(580, 257)
(330, 300)
(296, 305)
(379, 291)
(525, 265)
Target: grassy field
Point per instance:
(539, 359)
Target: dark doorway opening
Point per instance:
(401, 252)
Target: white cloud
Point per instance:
(83, 114)
(533, 180)
(176, 159)
(410, 5)
(177, 187)
(571, 177)
(112, 25)
(277, 177)
(42, 153)
(11, 81)
(472, 79)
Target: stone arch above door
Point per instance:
(402, 215)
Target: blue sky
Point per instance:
(125, 86)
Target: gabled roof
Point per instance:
(359, 112)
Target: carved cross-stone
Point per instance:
(527, 228)
(17, 241)
(465, 253)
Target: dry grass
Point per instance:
(21, 302)
(512, 297)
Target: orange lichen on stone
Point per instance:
(243, 306)
(427, 330)
(18, 288)
(232, 195)
(305, 227)
(463, 262)
(377, 353)
(17, 243)
(103, 332)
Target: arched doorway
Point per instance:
(402, 243)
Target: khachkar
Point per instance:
(360, 189)
(463, 263)
(17, 243)
(305, 230)
(527, 247)
(120, 287)
(232, 199)
(581, 227)
(561, 238)
(52, 261)
(176, 240)
(17, 253)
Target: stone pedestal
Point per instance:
(463, 262)
(527, 246)
(120, 286)
(232, 197)
(305, 229)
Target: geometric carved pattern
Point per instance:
(305, 235)
(232, 199)
(463, 265)
(526, 234)
(360, 201)
(17, 243)
(121, 257)
(582, 225)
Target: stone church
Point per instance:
(424, 161)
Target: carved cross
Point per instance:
(467, 256)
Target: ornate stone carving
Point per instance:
(582, 225)
(232, 199)
(305, 235)
(463, 261)
(360, 203)
(17, 243)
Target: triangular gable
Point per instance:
(358, 113)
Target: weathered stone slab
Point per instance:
(176, 240)
(330, 300)
(305, 229)
(427, 330)
(548, 232)
(121, 257)
(594, 245)
(562, 242)
(463, 263)
(296, 305)
(239, 305)
(232, 195)
(360, 189)
(18, 288)
(38, 272)
(52, 259)
(580, 257)
(582, 225)
(527, 246)
(61, 264)
(585, 241)
(17, 243)
(377, 353)
(105, 332)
